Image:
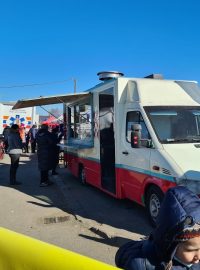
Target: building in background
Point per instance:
(25, 117)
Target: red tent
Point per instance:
(51, 121)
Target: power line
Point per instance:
(34, 84)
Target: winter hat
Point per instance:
(190, 231)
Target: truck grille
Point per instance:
(165, 171)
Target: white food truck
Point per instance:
(133, 137)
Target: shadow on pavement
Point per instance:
(69, 195)
(113, 241)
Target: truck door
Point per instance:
(134, 161)
(107, 141)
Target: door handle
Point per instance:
(125, 152)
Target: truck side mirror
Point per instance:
(136, 135)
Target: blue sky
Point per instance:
(44, 41)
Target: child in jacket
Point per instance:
(174, 243)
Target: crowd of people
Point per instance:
(18, 140)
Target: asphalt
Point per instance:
(76, 217)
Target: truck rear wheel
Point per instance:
(153, 202)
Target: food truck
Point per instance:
(132, 138)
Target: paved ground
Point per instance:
(68, 214)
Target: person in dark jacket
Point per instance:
(5, 135)
(32, 133)
(56, 149)
(27, 139)
(174, 243)
(44, 152)
(14, 151)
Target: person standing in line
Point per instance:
(14, 151)
(174, 243)
(45, 154)
(33, 132)
(5, 135)
(22, 132)
(27, 138)
(55, 148)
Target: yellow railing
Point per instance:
(20, 252)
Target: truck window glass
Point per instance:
(191, 88)
(175, 124)
(80, 125)
(135, 117)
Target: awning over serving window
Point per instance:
(69, 98)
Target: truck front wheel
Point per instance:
(153, 202)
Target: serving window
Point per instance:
(80, 122)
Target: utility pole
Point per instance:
(74, 85)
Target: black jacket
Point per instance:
(44, 150)
(156, 252)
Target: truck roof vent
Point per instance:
(107, 75)
(155, 76)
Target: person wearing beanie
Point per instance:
(14, 151)
(174, 243)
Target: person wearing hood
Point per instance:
(174, 243)
(44, 153)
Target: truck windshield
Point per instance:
(174, 124)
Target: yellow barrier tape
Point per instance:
(20, 252)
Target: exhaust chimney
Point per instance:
(107, 75)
